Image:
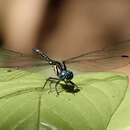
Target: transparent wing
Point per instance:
(13, 59)
(111, 57)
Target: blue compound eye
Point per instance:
(69, 75)
(63, 75)
(66, 74)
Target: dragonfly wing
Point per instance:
(105, 64)
(112, 57)
(13, 59)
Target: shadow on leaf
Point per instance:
(69, 88)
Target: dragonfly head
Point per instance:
(66, 75)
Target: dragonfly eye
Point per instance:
(69, 75)
(66, 75)
(62, 75)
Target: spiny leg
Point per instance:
(50, 79)
(45, 82)
(56, 86)
(50, 86)
(73, 84)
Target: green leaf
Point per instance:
(24, 105)
(121, 118)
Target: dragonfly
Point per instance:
(113, 56)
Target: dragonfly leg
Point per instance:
(51, 79)
(45, 83)
(50, 86)
(56, 86)
(73, 84)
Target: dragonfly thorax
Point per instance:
(66, 75)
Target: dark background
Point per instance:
(63, 28)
